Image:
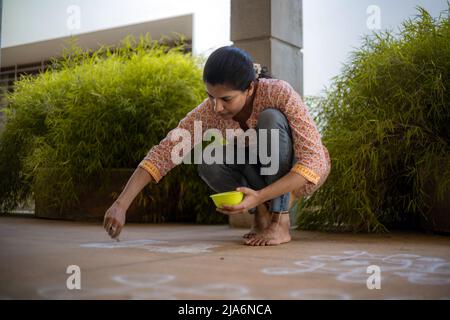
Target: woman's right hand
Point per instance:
(114, 219)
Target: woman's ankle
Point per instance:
(262, 211)
(280, 217)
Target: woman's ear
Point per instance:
(251, 89)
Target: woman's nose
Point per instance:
(218, 106)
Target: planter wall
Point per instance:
(440, 216)
(94, 200)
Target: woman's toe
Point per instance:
(249, 241)
(260, 242)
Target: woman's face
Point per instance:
(227, 102)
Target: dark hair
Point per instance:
(232, 67)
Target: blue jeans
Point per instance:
(227, 177)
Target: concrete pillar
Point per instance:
(271, 31)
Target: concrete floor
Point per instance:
(174, 261)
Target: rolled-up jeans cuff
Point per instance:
(281, 203)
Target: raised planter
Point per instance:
(438, 215)
(93, 200)
(241, 220)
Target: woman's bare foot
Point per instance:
(276, 233)
(261, 221)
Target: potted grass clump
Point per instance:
(386, 123)
(75, 133)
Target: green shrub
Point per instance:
(94, 111)
(386, 123)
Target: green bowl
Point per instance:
(230, 198)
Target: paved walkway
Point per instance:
(174, 261)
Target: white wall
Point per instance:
(26, 21)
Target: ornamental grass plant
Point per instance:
(386, 123)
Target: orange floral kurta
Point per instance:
(312, 158)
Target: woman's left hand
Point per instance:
(252, 198)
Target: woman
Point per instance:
(242, 95)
